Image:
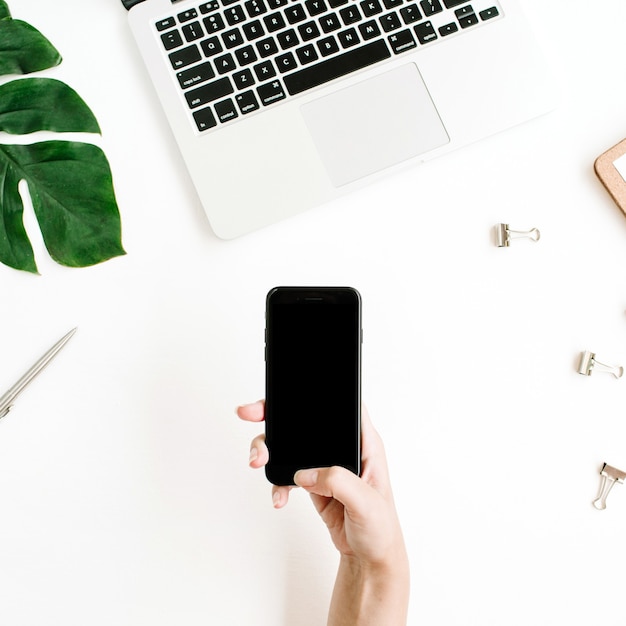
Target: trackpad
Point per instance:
(374, 124)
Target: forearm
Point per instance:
(370, 596)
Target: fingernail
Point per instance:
(306, 478)
(276, 499)
(254, 453)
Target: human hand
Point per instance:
(359, 512)
(361, 517)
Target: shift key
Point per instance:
(209, 92)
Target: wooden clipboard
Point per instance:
(610, 168)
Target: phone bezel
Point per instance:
(283, 474)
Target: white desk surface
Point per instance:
(126, 496)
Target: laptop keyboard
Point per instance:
(231, 58)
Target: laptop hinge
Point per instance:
(130, 3)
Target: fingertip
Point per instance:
(253, 412)
(259, 455)
(280, 496)
(306, 478)
(276, 500)
(254, 455)
(335, 482)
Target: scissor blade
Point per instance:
(6, 401)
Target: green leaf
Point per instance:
(69, 183)
(72, 192)
(4, 11)
(32, 104)
(15, 248)
(23, 49)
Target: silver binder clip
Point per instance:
(588, 364)
(609, 476)
(504, 235)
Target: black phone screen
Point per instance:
(313, 380)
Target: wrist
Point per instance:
(371, 593)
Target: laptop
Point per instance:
(280, 105)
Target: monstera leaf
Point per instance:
(69, 182)
(23, 49)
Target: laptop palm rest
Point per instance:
(374, 124)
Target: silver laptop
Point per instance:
(280, 105)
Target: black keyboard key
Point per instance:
(168, 22)
(348, 38)
(336, 3)
(274, 22)
(369, 30)
(195, 75)
(276, 4)
(265, 70)
(350, 15)
(243, 79)
(430, 7)
(213, 23)
(402, 41)
(329, 23)
(332, 68)
(390, 22)
(309, 31)
(487, 14)
(209, 92)
(328, 46)
(225, 64)
(204, 119)
(209, 7)
(307, 54)
(226, 110)
(185, 16)
(266, 47)
(271, 92)
(469, 20)
(185, 56)
(286, 62)
(453, 3)
(247, 102)
(371, 7)
(255, 7)
(193, 31)
(315, 7)
(211, 46)
(171, 40)
(425, 32)
(246, 55)
(253, 30)
(448, 29)
(295, 14)
(232, 38)
(464, 11)
(288, 39)
(234, 15)
(392, 4)
(410, 14)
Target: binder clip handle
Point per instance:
(504, 235)
(589, 363)
(609, 476)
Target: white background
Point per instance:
(125, 493)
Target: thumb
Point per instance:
(338, 483)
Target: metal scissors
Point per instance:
(6, 401)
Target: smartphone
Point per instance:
(313, 342)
